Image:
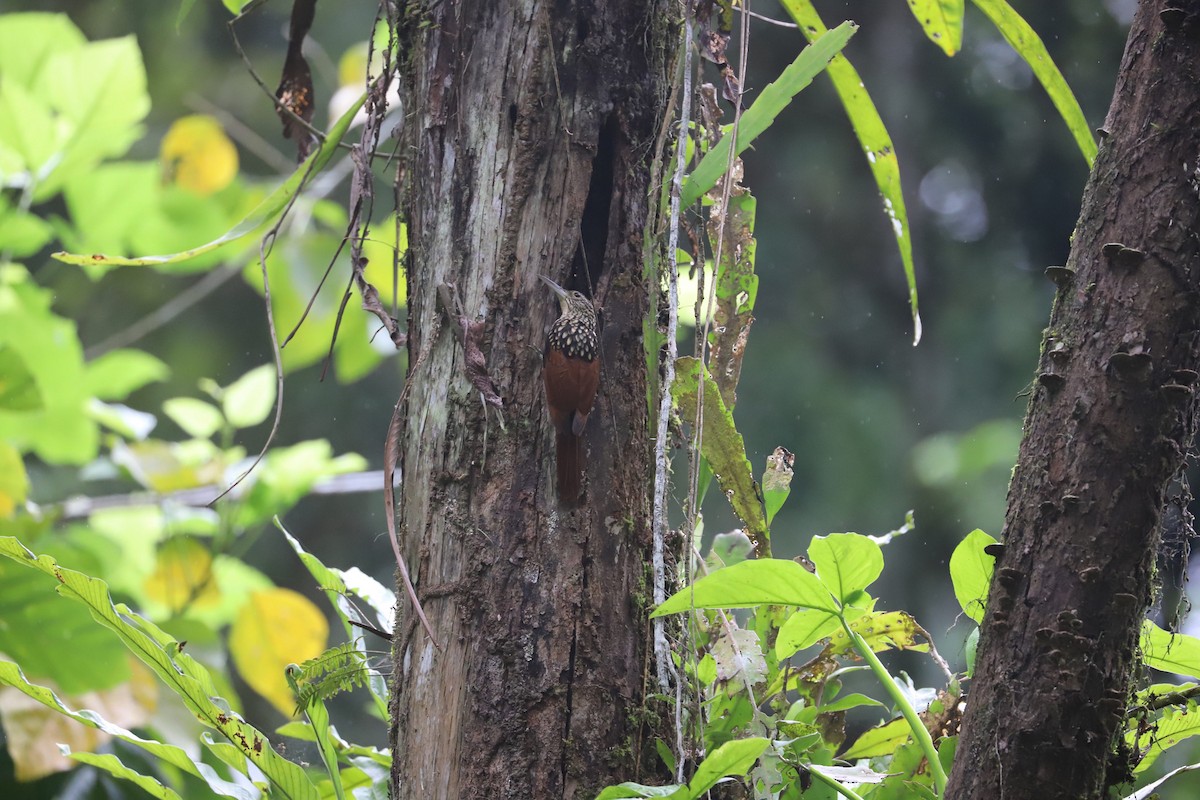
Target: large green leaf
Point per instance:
(971, 573)
(58, 430)
(1170, 652)
(1029, 46)
(766, 582)
(190, 681)
(770, 102)
(65, 104)
(847, 563)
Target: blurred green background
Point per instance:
(992, 181)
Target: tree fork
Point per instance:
(528, 140)
(1109, 422)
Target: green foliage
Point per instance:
(69, 110)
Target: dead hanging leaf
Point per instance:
(276, 627)
(777, 480)
(197, 155)
(295, 92)
(736, 288)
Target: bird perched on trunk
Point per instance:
(571, 373)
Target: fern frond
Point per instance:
(339, 669)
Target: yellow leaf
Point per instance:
(197, 155)
(275, 628)
(183, 576)
(14, 483)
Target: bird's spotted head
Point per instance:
(571, 303)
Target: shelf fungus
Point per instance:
(1122, 257)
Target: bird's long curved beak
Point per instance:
(558, 290)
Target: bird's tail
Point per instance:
(569, 460)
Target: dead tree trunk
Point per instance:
(1110, 420)
(528, 138)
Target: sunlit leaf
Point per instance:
(197, 418)
(58, 430)
(33, 731)
(772, 581)
(14, 482)
(847, 563)
(11, 675)
(971, 573)
(275, 628)
(1170, 652)
(250, 398)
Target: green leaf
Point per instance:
(770, 581)
(78, 102)
(971, 573)
(59, 431)
(880, 741)
(22, 234)
(318, 718)
(116, 374)
(197, 418)
(721, 444)
(1175, 725)
(18, 386)
(11, 675)
(803, 629)
(853, 700)
(1029, 46)
(942, 21)
(771, 101)
(735, 757)
(847, 563)
(1170, 652)
(254, 223)
(248, 400)
(287, 474)
(874, 138)
(624, 791)
(190, 681)
(113, 766)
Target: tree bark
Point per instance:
(1108, 426)
(528, 137)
